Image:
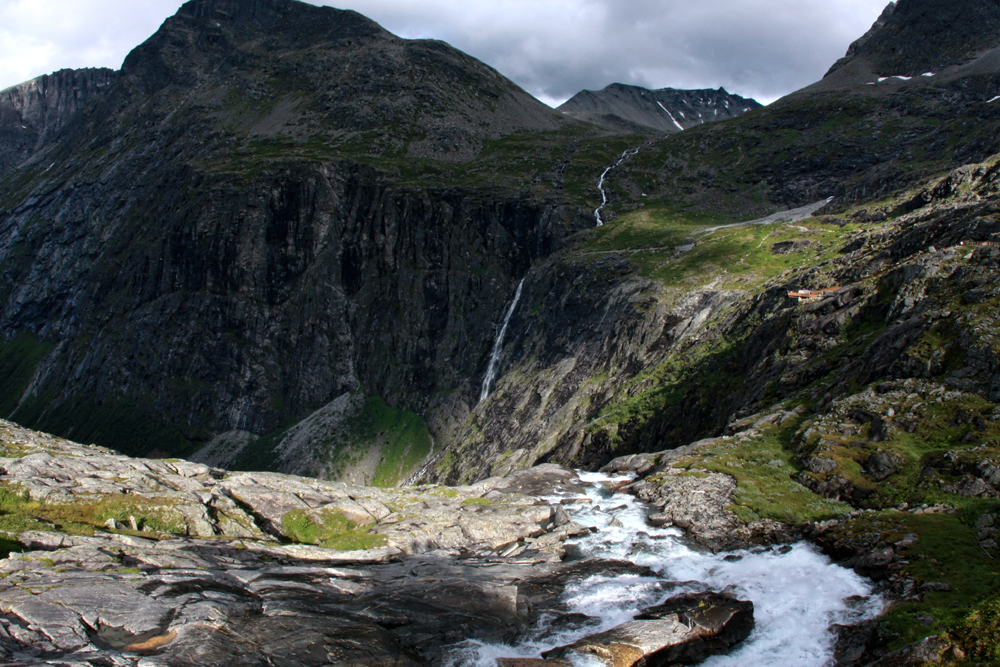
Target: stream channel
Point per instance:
(798, 593)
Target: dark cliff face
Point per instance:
(244, 306)
(633, 109)
(913, 37)
(207, 252)
(33, 112)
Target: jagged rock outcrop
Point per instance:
(635, 109)
(33, 112)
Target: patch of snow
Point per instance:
(994, 99)
(671, 116)
(927, 74)
(895, 76)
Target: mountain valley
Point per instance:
(282, 241)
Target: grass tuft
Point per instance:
(330, 530)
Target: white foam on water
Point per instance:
(798, 593)
(797, 596)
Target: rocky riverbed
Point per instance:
(119, 561)
(145, 562)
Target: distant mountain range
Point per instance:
(634, 109)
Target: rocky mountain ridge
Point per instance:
(33, 112)
(312, 228)
(912, 40)
(914, 37)
(665, 111)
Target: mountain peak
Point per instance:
(290, 15)
(628, 108)
(913, 37)
(200, 8)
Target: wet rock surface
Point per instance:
(682, 630)
(111, 599)
(699, 502)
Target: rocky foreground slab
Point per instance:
(145, 562)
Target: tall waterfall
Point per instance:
(493, 368)
(600, 184)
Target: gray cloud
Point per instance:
(552, 48)
(41, 36)
(757, 48)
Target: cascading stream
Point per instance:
(600, 183)
(494, 366)
(798, 593)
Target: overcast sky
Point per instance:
(552, 48)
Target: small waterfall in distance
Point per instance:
(494, 367)
(600, 184)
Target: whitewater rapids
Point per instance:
(798, 593)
